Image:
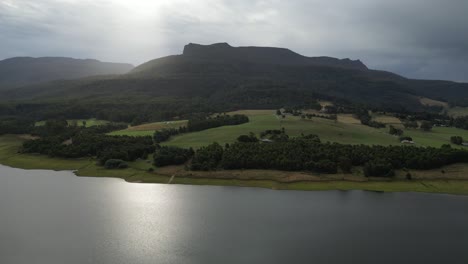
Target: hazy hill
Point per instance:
(20, 71)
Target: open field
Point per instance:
(253, 112)
(453, 181)
(148, 129)
(324, 103)
(132, 133)
(159, 125)
(458, 111)
(437, 137)
(347, 130)
(89, 122)
(328, 130)
(9, 146)
(432, 102)
(427, 186)
(348, 119)
(388, 120)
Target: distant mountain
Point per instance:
(249, 77)
(21, 71)
(265, 55)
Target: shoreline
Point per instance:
(451, 179)
(435, 186)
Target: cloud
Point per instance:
(418, 38)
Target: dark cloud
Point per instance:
(417, 38)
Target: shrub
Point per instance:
(406, 138)
(409, 176)
(247, 138)
(115, 164)
(395, 131)
(426, 126)
(410, 124)
(457, 140)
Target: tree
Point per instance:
(457, 140)
(426, 126)
(330, 109)
(248, 138)
(395, 131)
(115, 164)
(165, 134)
(410, 124)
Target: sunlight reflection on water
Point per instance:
(56, 217)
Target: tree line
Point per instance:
(15, 125)
(363, 115)
(307, 153)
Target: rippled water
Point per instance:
(56, 217)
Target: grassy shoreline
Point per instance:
(454, 179)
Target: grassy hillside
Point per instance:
(261, 120)
(346, 130)
(458, 111)
(437, 137)
(9, 146)
(148, 129)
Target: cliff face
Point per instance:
(265, 55)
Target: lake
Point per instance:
(56, 217)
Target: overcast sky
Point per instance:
(415, 38)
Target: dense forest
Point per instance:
(307, 153)
(60, 140)
(304, 154)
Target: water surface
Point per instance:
(56, 217)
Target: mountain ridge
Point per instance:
(249, 77)
(271, 55)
